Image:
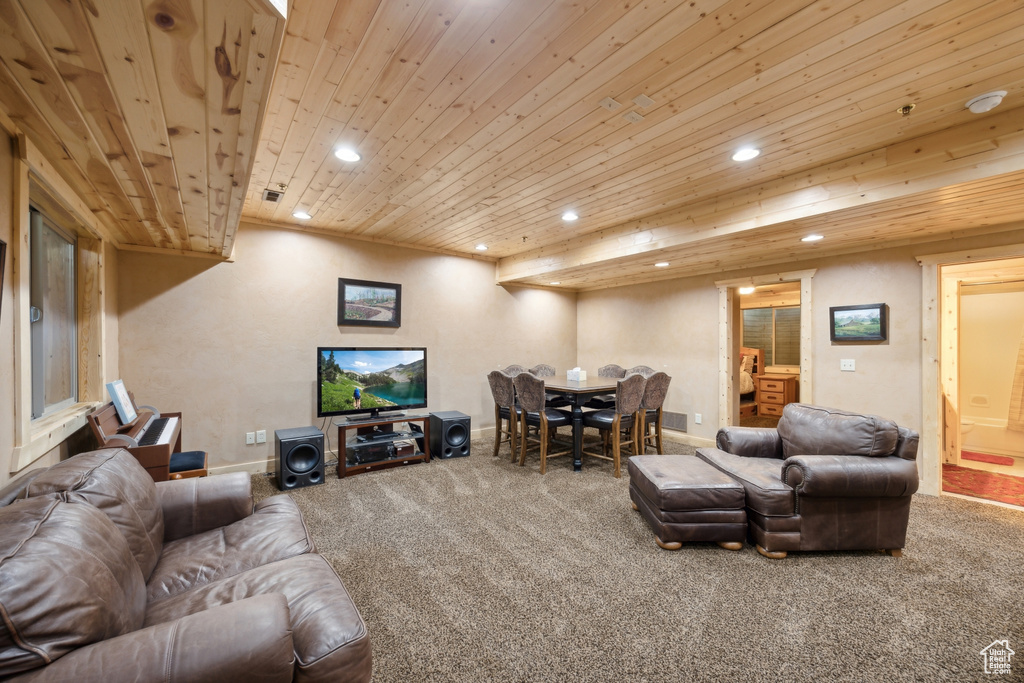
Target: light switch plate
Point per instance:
(848, 365)
(250, 438)
(261, 436)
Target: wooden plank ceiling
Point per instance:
(149, 110)
(482, 121)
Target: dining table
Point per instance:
(579, 392)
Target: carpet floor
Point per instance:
(475, 569)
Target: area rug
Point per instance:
(987, 457)
(988, 485)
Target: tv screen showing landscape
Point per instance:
(370, 380)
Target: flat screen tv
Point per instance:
(354, 381)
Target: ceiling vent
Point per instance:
(273, 196)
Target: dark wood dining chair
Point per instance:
(650, 412)
(506, 414)
(545, 421)
(629, 393)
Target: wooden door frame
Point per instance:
(941, 276)
(729, 341)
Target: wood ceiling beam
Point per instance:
(983, 148)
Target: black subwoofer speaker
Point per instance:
(300, 457)
(449, 434)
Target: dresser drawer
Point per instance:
(773, 385)
(763, 409)
(770, 397)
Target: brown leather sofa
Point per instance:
(108, 576)
(825, 479)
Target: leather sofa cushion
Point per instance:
(275, 531)
(683, 482)
(113, 481)
(16, 488)
(67, 579)
(813, 430)
(330, 638)
(761, 479)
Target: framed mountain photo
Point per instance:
(864, 323)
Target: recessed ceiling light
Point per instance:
(556, 283)
(745, 153)
(302, 215)
(812, 238)
(986, 102)
(746, 290)
(347, 154)
(481, 247)
(570, 216)
(661, 264)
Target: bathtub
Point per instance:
(988, 435)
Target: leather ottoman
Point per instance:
(684, 499)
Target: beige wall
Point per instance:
(991, 326)
(233, 345)
(673, 325)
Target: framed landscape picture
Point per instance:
(368, 303)
(864, 323)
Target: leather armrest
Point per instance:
(850, 476)
(198, 504)
(750, 442)
(248, 640)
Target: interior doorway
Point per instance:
(730, 339)
(769, 323)
(982, 337)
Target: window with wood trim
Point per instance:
(777, 331)
(52, 316)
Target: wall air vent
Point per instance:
(671, 420)
(272, 196)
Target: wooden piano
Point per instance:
(151, 437)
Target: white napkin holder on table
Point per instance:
(576, 375)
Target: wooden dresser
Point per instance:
(774, 392)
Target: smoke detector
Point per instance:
(986, 102)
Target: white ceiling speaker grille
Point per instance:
(633, 117)
(643, 101)
(609, 104)
(272, 196)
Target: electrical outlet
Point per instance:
(848, 365)
(250, 438)
(697, 418)
(261, 436)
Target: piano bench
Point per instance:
(187, 464)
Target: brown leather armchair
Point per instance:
(825, 479)
(106, 576)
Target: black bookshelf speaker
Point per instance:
(300, 457)
(449, 434)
